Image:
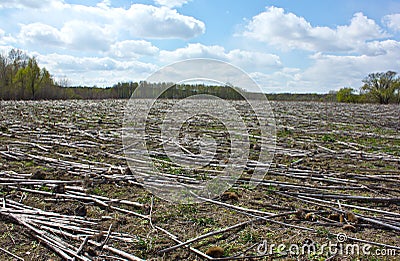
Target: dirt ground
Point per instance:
(334, 177)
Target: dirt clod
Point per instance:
(215, 251)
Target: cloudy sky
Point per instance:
(285, 46)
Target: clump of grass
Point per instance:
(203, 221)
(328, 138)
(187, 208)
(97, 191)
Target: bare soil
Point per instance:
(336, 170)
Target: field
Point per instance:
(67, 191)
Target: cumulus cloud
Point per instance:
(377, 48)
(84, 41)
(392, 21)
(158, 22)
(84, 35)
(97, 27)
(76, 35)
(340, 56)
(276, 82)
(171, 3)
(333, 72)
(139, 20)
(112, 44)
(246, 59)
(133, 49)
(289, 31)
(104, 4)
(196, 50)
(86, 70)
(103, 28)
(40, 33)
(25, 3)
(81, 64)
(6, 38)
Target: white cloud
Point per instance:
(133, 49)
(81, 64)
(6, 38)
(86, 70)
(377, 48)
(171, 3)
(82, 42)
(361, 28)
(288, 31)
(40, 33)
(104, 4)
(83, 35)
(196, 50)
(249, 61)
(328, 72)
(276, 82)
(333, 72)
(392, 21)
(101, 28)
(138, 20)
(26, 3)
(158, 22)
(77, 35)
(341, 56)
(102, 24)
(103, 44)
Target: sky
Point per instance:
(285, 46)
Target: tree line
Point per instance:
(21, 78)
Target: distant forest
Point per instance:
(21, 78)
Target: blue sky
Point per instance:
(285, 46)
